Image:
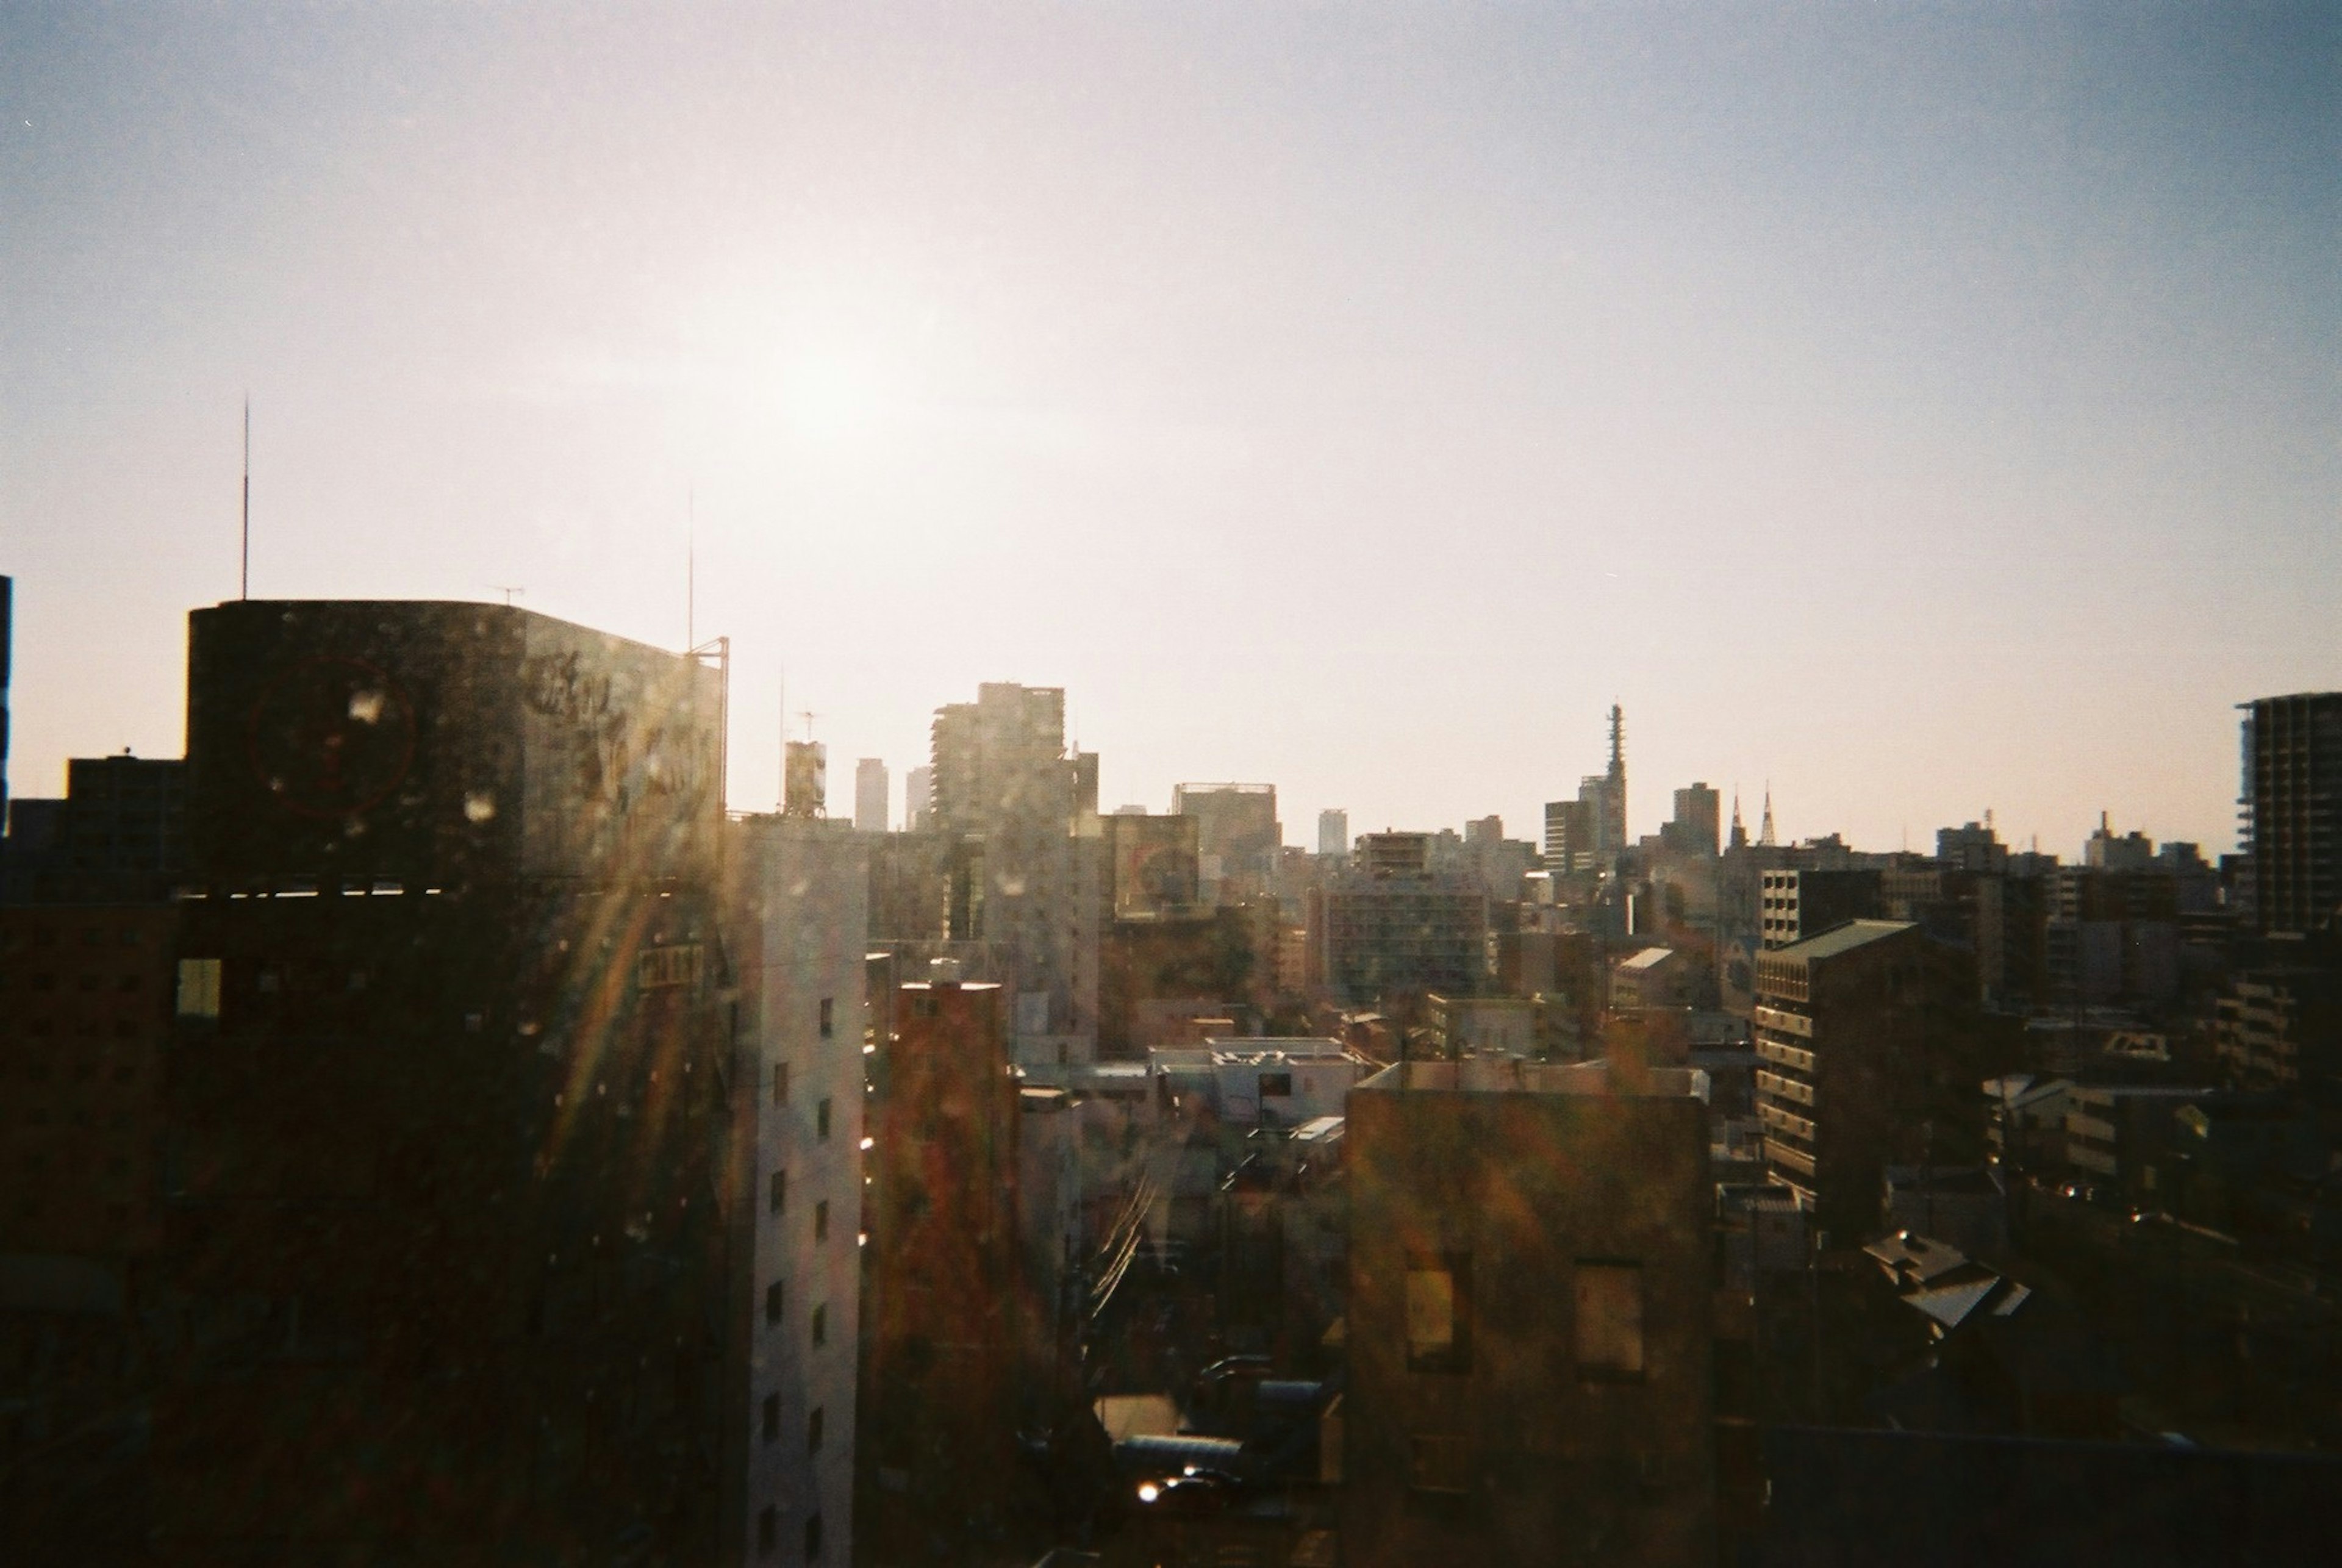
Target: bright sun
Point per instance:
(831, 399)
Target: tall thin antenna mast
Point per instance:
(690, 565)
(243, 575)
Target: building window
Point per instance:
(813, 1431)
(828, 1016)
(772, 1417)
(773, 1298)
(821, 1120)
(1278, 1084)
(780, 1082)
(821, 1325)
(768, 1531)
(1439, 1312)
(813, 1537)
(779, 1196)
(199, 987)
(1610, 1321)
(821, 1220)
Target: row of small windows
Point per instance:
(777, 1306)
(1606, 1328)
(821, 1112)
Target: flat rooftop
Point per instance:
(1512, 1075)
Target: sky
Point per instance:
(1918, 409)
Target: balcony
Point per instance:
(1785, 1088)
(1788, 1157)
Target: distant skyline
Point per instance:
(1928, 411)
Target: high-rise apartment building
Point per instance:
(870, 794)
(2291, 810)
(1857, 1037)
(1333, 831)
(446, 1111)
(798, 892)
(1530, 1336)
(1392, 926)
(1025, 857)
(1238, 837)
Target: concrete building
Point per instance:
(1529, 1317)
(2105, 851)
(1333, 831)
(118, 835)
(918, 799)
(871, 795)
(1569, 837)
(1802, 902)
(1391, 927)
(797, 907)
(2292, 810)
(1237, 838)
(1972, 847)
(1483, 1025)
(1025, 854)
(1151, 866)
(1857, 1046)
(444, 1106)
(2280, 1028)
(1696, 828)
(1261, 1081)
(1652, 977)
(943, 1382)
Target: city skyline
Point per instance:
(1924, 415)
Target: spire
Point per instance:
(1739, 828)
(1764, 834)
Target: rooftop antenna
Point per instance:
(690, 564)
(244, 576)
(509, 590)
(808, 715)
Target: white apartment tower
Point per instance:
(799, 902)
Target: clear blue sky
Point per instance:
(1925, 408)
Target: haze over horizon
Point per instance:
(1926, 413)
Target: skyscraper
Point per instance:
(1333, 831)
(1009, 797)
(918, 799)
(870, 794)
(2291, 810)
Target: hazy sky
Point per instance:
(1925, 408)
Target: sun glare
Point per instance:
(832, 399)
